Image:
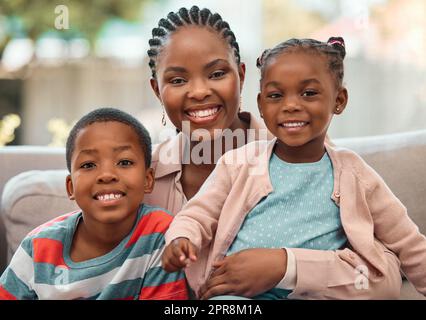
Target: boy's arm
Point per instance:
(15, 282)
(199, 217)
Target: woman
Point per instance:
(197, 75)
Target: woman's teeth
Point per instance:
(203, 113)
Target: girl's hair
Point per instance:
(333, 50)
(183, 17)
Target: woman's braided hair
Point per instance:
(183, 17)
(333, 50)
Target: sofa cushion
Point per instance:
(30, 199)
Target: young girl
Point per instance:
(332, 218)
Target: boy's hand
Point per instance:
(246, 273)
(178, 254)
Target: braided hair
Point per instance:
(333, 50)
(195, 16)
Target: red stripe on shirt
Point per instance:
(176, 290)
(156, 221)
(49, 251)
(127, 298)
(6, 295)
(51, 222)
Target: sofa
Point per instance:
(32, 185)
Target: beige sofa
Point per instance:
(32, 197)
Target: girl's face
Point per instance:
(198, 80)
(298, 99)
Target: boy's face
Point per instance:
(108, 176)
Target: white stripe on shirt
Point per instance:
(131, 269)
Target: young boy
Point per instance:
(112, 247)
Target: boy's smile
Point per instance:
(108, 175)
(109, 197)
(297, 100)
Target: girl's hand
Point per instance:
(246, 273)
(178, 254)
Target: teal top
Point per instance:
(298, 213)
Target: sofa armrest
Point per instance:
(30, 199)
(17, 159)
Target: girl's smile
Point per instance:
(298, 99)
(293, 126)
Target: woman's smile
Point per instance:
(204, 115)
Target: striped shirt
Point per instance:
(42, 268)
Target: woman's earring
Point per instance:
(239, 109)
(163, 120)
(337, 109)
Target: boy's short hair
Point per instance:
(105, 115)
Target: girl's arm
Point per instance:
(344, 274)
(199, 217)
(394, 228)
(394, 237)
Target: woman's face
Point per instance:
(198, 79)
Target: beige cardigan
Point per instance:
(375, 222)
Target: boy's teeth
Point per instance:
(106, 197)
(203, 113)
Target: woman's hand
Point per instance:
(178, 254)
(246, 273)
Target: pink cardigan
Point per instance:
(375, 222)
